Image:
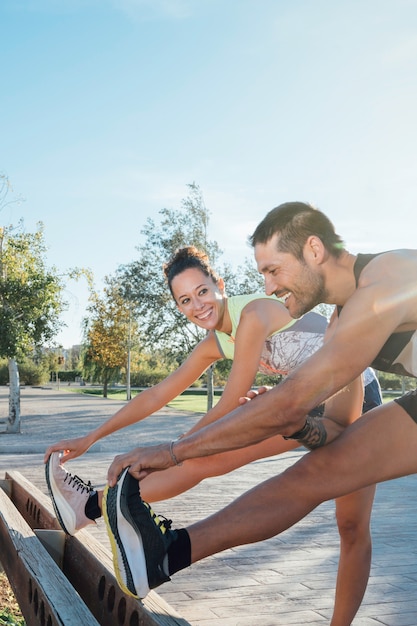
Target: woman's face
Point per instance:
(199, 298)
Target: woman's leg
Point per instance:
(353, 514)
(175, 480)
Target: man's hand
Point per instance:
(142, 461)
(252, 394)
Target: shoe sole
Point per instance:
(126, 544)
(58, 501)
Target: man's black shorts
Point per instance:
(409, 403)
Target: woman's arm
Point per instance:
(258, 320)
(147, 402)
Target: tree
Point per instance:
(162, 325)
(245, 279)
(108, 332)
(31, 303)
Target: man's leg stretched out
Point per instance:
(384, 444)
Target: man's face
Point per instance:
(299, 283)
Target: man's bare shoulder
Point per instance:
(387, 285)
(395, 267)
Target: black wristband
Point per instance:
(300, 434)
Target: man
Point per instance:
(302, 260)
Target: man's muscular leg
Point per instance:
(379, 446)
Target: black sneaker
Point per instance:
(139, 539)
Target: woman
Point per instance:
(257, 332)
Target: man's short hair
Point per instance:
(294, 223)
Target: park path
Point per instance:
(287, 580)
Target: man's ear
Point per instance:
(314, 250)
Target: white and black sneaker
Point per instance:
(139, 538)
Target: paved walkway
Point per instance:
(287, 580)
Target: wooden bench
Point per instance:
(63, 580)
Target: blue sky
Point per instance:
(111, 107)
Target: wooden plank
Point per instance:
(44, 594)
(88, 566)
(33, 505)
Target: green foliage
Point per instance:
(30, 293)
(161, 324)
(108, 331)
(395, 382)
(73, 358)
(264, 379)
(96, 372)
(9, 618)
(246, 279)
(148, 369)
(221, 372)
(143, 281)
(4, 372)
(69, 376)
(10, 612)
(148, 376)
(31, 373)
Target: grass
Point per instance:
(9, 609)
(188, 401)
(192, 402)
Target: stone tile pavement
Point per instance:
(287, 580)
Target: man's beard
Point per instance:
(313, 291)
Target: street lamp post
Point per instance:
(129, 346)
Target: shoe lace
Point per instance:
(162, 522)
(77, 483)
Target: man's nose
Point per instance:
(270, 286)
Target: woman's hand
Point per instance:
(252, 394)
(71, 448)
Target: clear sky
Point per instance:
(110, 108)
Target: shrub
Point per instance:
(395, 382)
(29, 373)
(4, 372)
(32, 374)
(67, 376)
(147, 376)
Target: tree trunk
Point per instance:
(105, 386)
(13, 423)
(210, 388)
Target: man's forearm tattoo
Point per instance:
(312, 435)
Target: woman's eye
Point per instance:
(186, 301)
(202, 292)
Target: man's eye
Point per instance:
(186, 301)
